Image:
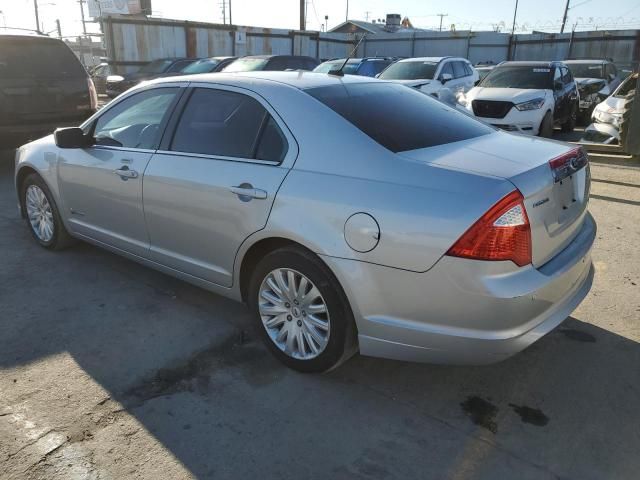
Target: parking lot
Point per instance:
(109, 370)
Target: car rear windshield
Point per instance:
(204, 66)
(246, 65)
(350, 68)
(526, 77)
(586, 70)
(37, 58)
(398, 117)
(410, 71)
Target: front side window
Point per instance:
(228, 124)
(397, 117)
(135, 121)
(448, 69)
(566, 76)
(458, 70)
(414, 70)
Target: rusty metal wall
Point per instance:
(132, 42)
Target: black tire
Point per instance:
(60, 238)
(342, 342)
(546, 126)
(570, 124)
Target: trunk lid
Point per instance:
(556, 204)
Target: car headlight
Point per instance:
(534, 104)
(614, 119)
(115, 78)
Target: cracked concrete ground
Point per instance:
(109, 370)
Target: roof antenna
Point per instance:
(339, 71)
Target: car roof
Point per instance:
(299, 79)
(427, 59)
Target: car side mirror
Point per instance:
(445, 77)
(71, 137)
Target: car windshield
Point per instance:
(409, 71)
(246, 65)
(625, 87)
(397, 117)
(157, 66)
(203, 66)
(34, 57)
(350, 68)
(586, 70)
(526, 77)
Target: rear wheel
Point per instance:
(302, 313)
(546, 126)
(42, 215)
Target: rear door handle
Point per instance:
(125, 173)
(246, 192)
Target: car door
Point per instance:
(214, 179)
(102, 185)
(571, 92)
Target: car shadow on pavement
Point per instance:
(184, 364)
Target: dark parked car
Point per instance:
(271, 62)
(116, 84)
(206, 65)
(42, 86)
(367, 67)
(596, 79)
(99, 75)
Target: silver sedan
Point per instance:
(348, 213)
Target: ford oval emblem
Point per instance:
(575, 163)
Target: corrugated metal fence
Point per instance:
(131, 42)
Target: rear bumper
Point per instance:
(464, 311)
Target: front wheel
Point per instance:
(546, 126)
(42, 215)
(302, 313)
(570, 124)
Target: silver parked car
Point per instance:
(348, 212)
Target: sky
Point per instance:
(545, 15)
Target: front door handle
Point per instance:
(126, 173)
(246, 192)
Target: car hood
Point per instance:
(413, 83)
(515, 95)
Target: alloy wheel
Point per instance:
(39, 213)
(294, 313)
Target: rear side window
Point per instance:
(397, 117)
(37, 58)
(228, 124)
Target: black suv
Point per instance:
(42, 86)
(116, 84)
(272, 63)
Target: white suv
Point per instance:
(526, 97)
(432, 74)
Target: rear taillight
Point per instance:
(503, 233)
(93, 95)
(568, 163)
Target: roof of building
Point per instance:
(371, 27)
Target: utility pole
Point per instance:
(224, 12)
(230, 21)
(442, 15)
(564, 18)
(84, 23)
(35, 7)
(58, 28)
(367, 15)
(515, 14)
(302, 15)
(346, 15)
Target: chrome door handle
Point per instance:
(246, 192)
(125, 173)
